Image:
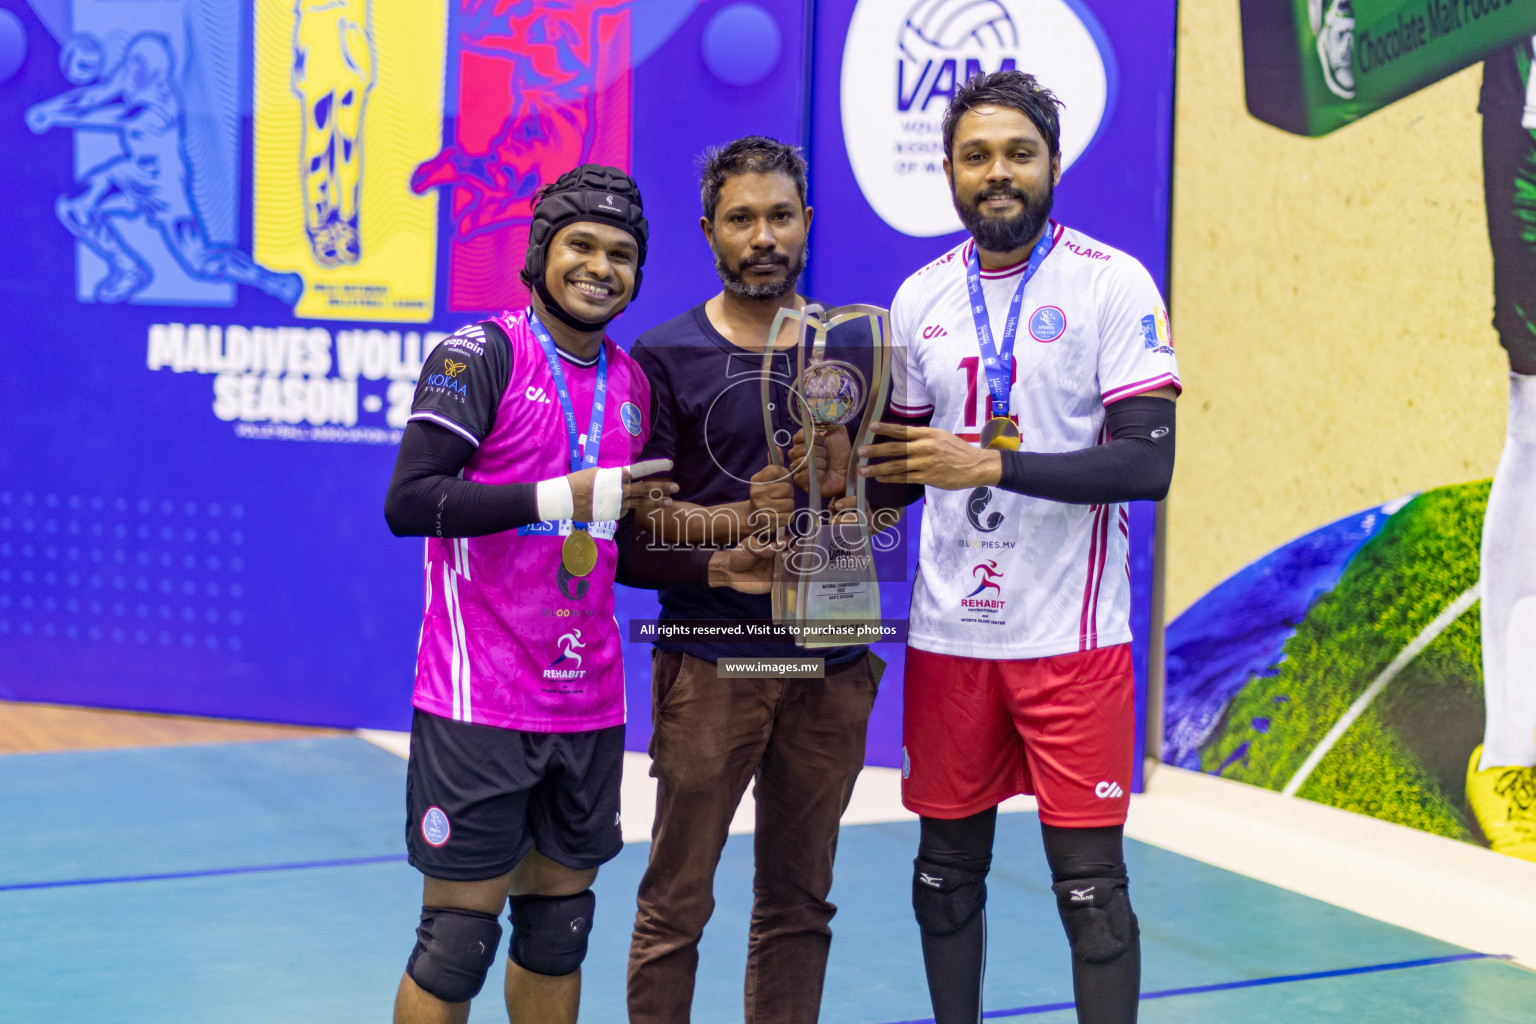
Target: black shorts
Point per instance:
(479, 797)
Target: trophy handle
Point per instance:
(779, 590)
(817, 346)
(817, 352)
(788, 589)
(765, 378)
(846, 590)
(880, 386)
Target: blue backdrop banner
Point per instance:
(235, 228)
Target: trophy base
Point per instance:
(838, 604)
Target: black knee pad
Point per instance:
(454, 949)
(549, 933)
(1097, 915)
(946, 899)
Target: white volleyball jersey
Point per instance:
(1001, 575)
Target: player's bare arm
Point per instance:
(929, 456)
(748, 567)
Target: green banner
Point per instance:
(1310, 66)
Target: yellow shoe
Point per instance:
(1504, 802)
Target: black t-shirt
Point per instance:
(706, 395)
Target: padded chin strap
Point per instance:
(558, 311)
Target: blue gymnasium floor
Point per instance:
(266, 882)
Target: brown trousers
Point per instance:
(803, 742)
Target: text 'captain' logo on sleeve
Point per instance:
(903, 61)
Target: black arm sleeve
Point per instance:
(426, 498)
(1136, 464)
(888, 495)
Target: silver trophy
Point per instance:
(826, 576)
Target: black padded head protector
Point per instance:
(591, 192)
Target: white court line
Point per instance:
(1444, 888)
(397, 743)
(1426, 636)
(1449, 890)
(876, 795)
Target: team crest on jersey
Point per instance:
(1156, 334)
(629, 412)
(434, 827)
(1047, 323)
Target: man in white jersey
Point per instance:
(516, 465)
(1037, 389)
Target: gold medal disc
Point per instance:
(579, 553)
(1000, 433)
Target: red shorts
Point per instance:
(976, 732)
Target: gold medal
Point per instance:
(579, 553)
(1000, 433)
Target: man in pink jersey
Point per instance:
(516, 465)
(1038, 391)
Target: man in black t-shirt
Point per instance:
(801, 739)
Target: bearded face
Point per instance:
(1002, 177)
(760, 276)
(1008, 229)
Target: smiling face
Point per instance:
(1002, 177)
(758, 235)
(589, 270)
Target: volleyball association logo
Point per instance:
(952, 25)
(903, 61)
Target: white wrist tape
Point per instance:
(556, 501)
(608, 494)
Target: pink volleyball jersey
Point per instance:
(509, 638)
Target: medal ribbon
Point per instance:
(581, 458)
(996, 359)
